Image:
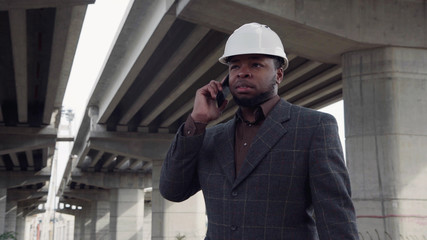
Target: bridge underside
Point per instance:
(167, 49)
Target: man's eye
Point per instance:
(257, 65)
(234, 66)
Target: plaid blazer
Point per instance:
(292, 185)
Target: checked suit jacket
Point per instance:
(293, 184)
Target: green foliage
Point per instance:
(8, 235)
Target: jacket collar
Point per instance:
(270, 132)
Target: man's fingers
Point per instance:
(214, 87)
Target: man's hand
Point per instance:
(205, 107)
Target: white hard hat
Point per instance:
(254, 38)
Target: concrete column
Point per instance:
(173, 219)
(86, 217)
(11, 212)
(79, 224)
(147, 219)
(127, 213)
(385, 102)
(20, 223)
(3, 197)
(100, 220)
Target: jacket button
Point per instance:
(233, 227)
(234, 194)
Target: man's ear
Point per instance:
(279, 75)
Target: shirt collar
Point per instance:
(261, 111)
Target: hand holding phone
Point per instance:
(204, 109)
(222, 95)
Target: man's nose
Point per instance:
(244, 72)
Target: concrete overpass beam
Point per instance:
(88, 194)
(30, 4)
(18, 29)
(21, 139)
(18, 179)
(319, 30)
(147, 23)
(124, 146)
(207, 63)
(108, 181)
(385, 104)
(169, 67)
(171, 219)
(377, 22)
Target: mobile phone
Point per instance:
(222, 95)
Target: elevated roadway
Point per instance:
(164, 51)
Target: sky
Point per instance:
(100, 29)
(337, 110)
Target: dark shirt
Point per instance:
(245, 130)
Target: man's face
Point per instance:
(253, 79)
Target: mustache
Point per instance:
(242, 83)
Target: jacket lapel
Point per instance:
(271, 131)
(225, 144)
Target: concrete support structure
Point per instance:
(81, 218)
(385, 99)
(3, 197)
(100, 220)
(11, 212)
(380, 45)
(85, 233)
(170, 219)
(20, 223)
(116, 207)
(147, 220)
(127, 213)
(79, 221)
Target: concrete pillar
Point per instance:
(86, 217)
(78, 225)
(147, 219)
(127, 213)
(100, 220)
(173, 219)
(3, 197)
(11, 212)
(385, 102)
(20, 223)
(80, 219)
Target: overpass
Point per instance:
(371, 54)
(38, 40)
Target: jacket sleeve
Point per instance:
(330, 183)
(178, 177)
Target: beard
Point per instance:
(258, 99)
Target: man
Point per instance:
(276, 170)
